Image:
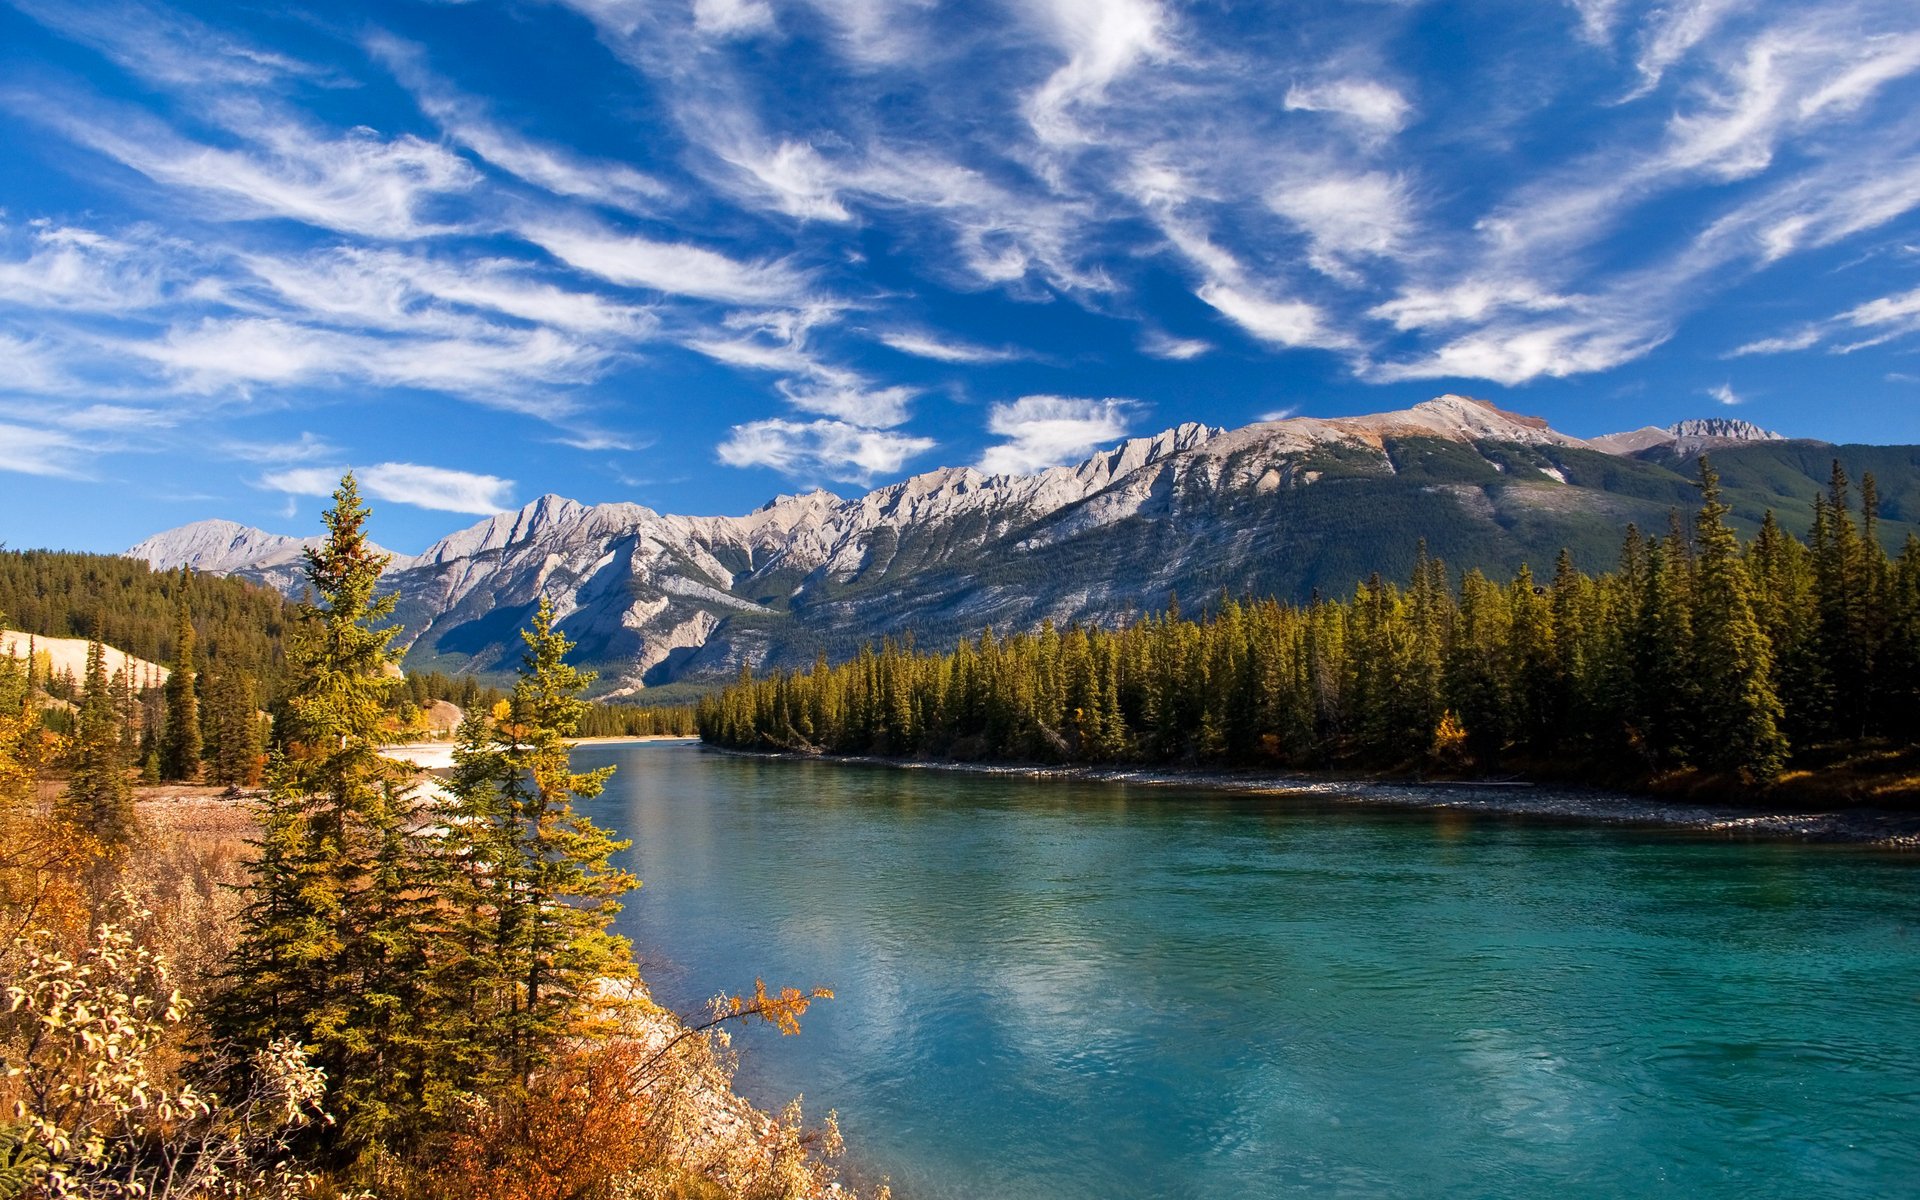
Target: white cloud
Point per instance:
(496, 369)
(672, 267)
(1373, 105)
(832, 449)
(1513, 353)
(926, 345)
(1785, 343)
(876, 33)
(389, 289)
(732, 18)
(793, 175)
(1882, 319)
(1673, 30)
(1045, 431)
(1596, 19)
(46, 452)
(1178, 349)
(1900, 309)
(164, 46)
(308, 447)
(436, 488)
(1724, 393)
(1346, 217)
(101, 418)
(1465, 303)
(1103, 39)
(555, 169)
(359, 183)
(873, 408)
(1281, 322)
(81, 270)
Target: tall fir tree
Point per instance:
(180, 739)
(529, 885)
(332, 944)
(99, 796)
(1740, 714)
(234, 760)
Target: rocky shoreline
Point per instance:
(1874, 827)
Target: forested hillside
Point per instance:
(131, 606)
(1695, 653)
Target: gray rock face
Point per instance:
(653, 598)
(1724, 429)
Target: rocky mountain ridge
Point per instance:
(652, 598)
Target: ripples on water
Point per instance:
(1062, 990)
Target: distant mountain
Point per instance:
(229, 548)
(1280, 507)
(1685, 439)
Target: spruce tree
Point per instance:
(331, 949)
(546, 887)
(235, 757)
(99, 797)
(180, 741)
(1740, 714)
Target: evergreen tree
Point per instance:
(534, 879)
(332, 944)
(180, 741)
(234, 760)
(99, 796)
(1739, 715)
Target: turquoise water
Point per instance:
(1065, 990)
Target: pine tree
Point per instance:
(234, 760)
(551, 882)
(331, 949)
(180, 741)
(99, 797)
(1740, 714)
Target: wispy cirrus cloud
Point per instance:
(1880, 320)
(821, 449)
(1044, 431)
(1373, 105)
(947, 350)
(555, 169)
(673, 268)
(27, 450)
(437, 488)
(357, 183)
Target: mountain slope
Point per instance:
(1281, 507)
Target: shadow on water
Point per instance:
(1063, 989)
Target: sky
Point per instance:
(697, 253)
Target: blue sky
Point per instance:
(696, 252)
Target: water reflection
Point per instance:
(1071, 990)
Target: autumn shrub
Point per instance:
(99, 1100)
(644, 1114)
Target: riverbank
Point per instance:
(699, 1136)
(1885, 828)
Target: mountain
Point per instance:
(229, 548)
(1685, 439)
(1280, 507)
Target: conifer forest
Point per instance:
(1695, 653)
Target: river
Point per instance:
(1088, 991)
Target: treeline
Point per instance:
(620, 720)
(1695, 652)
